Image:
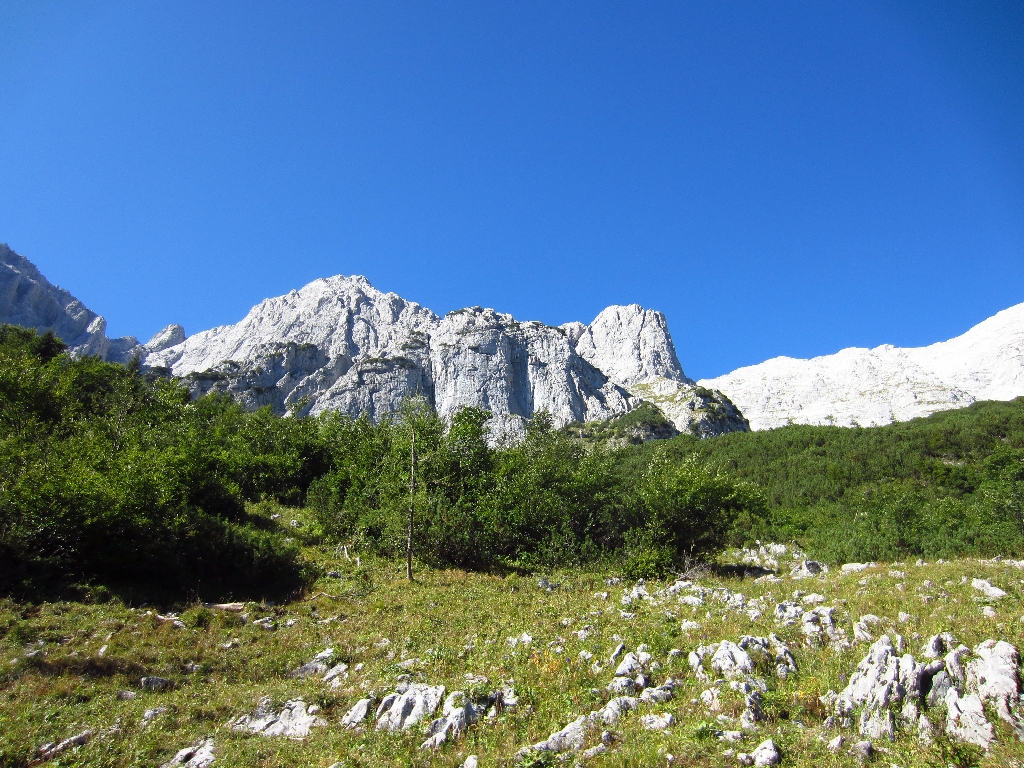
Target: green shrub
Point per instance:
(111, 478)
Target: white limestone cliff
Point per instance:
(340, 344)
(876, 386)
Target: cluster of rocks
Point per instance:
(199, 755)
(321, 665)
(730, 667)
(950, 678)
(412, 703)
(817, 623)
(631, 688)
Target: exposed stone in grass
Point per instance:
(357, 714)
(993, 677)
(657, 722)
(197, 756)
(570, 738)
(293, 720)
(49, 751)
(725, 658)
(616, 708)
(154, 683)
(788, 612)
(808, 569)
(457, 714)
(766, 754)
(856, 567)
(818, 626)
(965, 719)
(318, 666)
(410, 704)
(862, 750)
(988, 589)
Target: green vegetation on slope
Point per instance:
(947, 485)
(65, 664)
(109, 477)
(117, 478)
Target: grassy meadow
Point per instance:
(455, 624)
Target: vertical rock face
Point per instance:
(481, 358)
(631, 345)
(30, 300)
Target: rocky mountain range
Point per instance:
(876, 386)
(341, 344)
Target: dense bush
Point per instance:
(547, 500)
(109, 476)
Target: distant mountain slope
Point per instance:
(30, 300)
(877, 386)
(341, 344)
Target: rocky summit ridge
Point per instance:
(877, 386)
(30, 300)
(340, 344)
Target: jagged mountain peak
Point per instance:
(338, 343)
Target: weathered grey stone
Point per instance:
(940, 686)
(293, 720)
(154, 683)
(78, 740)
(993, 676)
(616, 708)
(570, 738)
(318, 666)
(819, 627)
(988, 589)
(658, 695)
(357, 714)
(876, 685)
(401, 711)
(198, 756)
(862, 750)
(729, 660)
(457, 714)
(965, 719)
(808, 569)
(766, 754)
(938, 645)
(622, 685)
(657, 722)
(629, 666)
(788, 612)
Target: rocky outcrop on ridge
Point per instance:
(30, 300)
(872, 387)
(339, 344)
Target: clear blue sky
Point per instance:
(778, 178)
